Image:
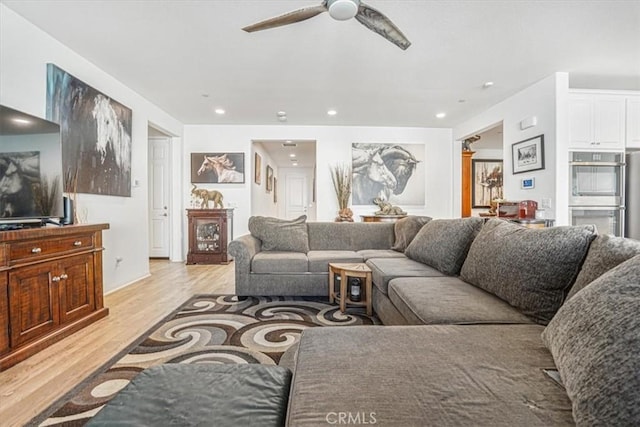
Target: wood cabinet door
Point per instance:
(4, 313)
(77, 282)
(34, 309)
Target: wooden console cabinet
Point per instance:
(50, 287)
(210, 231)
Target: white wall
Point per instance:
(333, 144)
(24, 52)
(545, 100)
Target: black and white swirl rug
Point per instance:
(205, 329)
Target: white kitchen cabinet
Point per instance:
(633, 122)
(597, 121)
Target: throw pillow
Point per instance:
(280, 234)
(605, 253)
(531, 269)
(443, 243)
(595, 344)
(405, 230)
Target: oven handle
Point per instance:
(596, 163)
(596, 208)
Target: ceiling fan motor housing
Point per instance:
(342, 10)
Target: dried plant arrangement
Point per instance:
(341, 177)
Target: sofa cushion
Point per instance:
(595, 343)
(319, 260)
(385, 269)
(443, 243)
(350, 236)
(405, 229)
(177, 394)
(280, 234)
(605, 253)
(380, 253)
(449, 300)
(531, 269)
(279, 262)
(438, 375)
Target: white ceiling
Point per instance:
(174, 51)
(304, 152)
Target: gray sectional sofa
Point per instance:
(485, 323)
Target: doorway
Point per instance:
(293, 163)
(159, 194)
(484, 155)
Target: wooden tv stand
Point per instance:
(50, 287)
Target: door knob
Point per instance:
(165, 214)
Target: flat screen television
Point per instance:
(31, 176)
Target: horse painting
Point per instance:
(384, 171)
(96, 135)
(217, 167)
(371, 178)
(110, 133)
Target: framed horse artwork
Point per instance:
(217, 168)
(95, 132)
(393, 172)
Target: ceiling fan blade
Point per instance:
(288, 18)
(377, 22)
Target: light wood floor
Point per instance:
(27, 388)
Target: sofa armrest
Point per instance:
(243, 249)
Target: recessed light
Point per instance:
(281, 113)
(22, 121)
(295, 164)
(282, 118)
(487, 85)
(441, 115)
(332, 112)
(220, 111)
(292, 155)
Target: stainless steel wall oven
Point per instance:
(598, 190)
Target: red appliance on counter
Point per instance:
(527, 209)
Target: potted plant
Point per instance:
(341, 177)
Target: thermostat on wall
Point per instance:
(528, 183)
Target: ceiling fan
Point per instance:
(340, 10)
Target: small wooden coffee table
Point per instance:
(346, 270)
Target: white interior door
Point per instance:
(296, 195)
(159, 197)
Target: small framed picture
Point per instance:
(275, 190)
(257, 169)
(269, 178)
(528, 155)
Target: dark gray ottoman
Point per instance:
(201, 395)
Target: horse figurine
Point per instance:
(223, 167)
(387, 208)
(206, 195)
